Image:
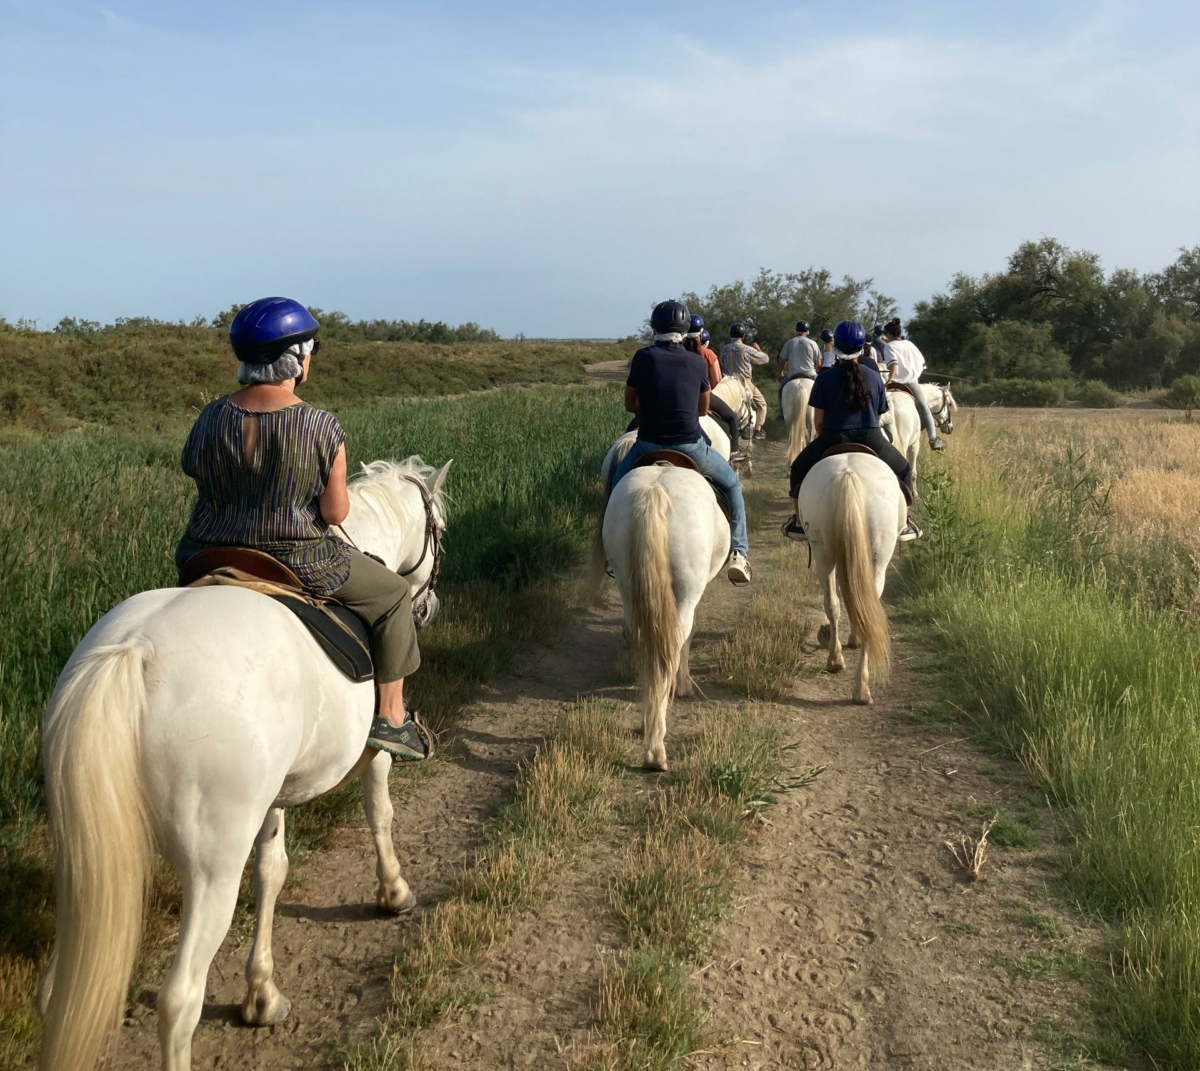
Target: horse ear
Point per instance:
(434, 482)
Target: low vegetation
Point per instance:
(1059, 574)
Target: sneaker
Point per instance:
(938, 444)
(738, 456)
(793, 529)
(760, 433)
(739, 569)
(909, 532)
(411, 741)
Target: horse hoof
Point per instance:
(864, 700)
(654, 765)
(852, 644)
(267, 1008)
(394, 905)
(836, 667)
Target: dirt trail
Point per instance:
(854, 941)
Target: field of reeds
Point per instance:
(87, 520)
(1058, 583)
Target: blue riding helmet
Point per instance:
(268, 326)
(705, 337)
(849, 336)
(697, 323)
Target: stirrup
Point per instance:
(794, 531)
(909, 532)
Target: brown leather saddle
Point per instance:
(859, 448)
(902, 388)
(679, 460)
(339, 632)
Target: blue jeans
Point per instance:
(710, 464)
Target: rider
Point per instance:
(827, 356)
(905, 363)
(738, 359)
(800, 356)
(270, 474)
(875, 351)
(847, 401)
(668, 388)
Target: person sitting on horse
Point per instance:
(696, 340)
(270, 474)
(847, 401)
(827, 354)
(875, 351)
(799, 356)
(738, 358)
(905, 363)
(668, 389)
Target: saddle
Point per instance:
(903, 388)
(339, 632)
(677, 459)
(859, 448)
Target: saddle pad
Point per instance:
(339, 632)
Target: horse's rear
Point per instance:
(180, 720)
(797, 416)
(665, 538)
(852, 510)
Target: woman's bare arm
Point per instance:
(818, 420)
(334, 500)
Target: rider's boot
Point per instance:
(739, 569)
(937, 443)
(910, 531)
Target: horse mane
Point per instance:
(377, 488)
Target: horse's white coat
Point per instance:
(616, 453)
(852, 510)
(233, 714)
(665, 538)
(902, 415)
(797, 416)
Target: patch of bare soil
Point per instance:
(608, 371)
(855, 941)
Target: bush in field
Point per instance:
(1095, 394)
(1029, 393)
(1014, 350)
(1184, 394)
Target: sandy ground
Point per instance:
(854, 942)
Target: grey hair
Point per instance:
(286, 366)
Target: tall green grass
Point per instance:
(1075, 662)
(87, 520)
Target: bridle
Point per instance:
(432, 543)
(944, 408)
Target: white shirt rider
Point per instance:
(905, 361)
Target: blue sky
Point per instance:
(554, 168)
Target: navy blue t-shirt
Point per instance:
(669, 381)
(828, 392)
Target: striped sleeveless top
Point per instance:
(270, 504)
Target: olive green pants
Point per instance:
(383, 600)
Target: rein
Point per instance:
(433, 538)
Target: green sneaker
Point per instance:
(411, 742)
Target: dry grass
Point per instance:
(971, 852)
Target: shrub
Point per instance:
(1095, 394)
(1184, 393)
(1030, 393)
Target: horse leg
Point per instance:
(210, 890)
(264, 1004)
(852, 641)
(394, 893)
(684, 685)
(832, 613)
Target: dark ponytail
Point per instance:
(691, 342)
(854, 388)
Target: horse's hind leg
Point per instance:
(833, 613)
(684, 685)
(210, 889)
(264, 1003)
(394, 893)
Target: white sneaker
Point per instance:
(739, 569)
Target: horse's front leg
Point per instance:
(394, 893)
(264, 1003)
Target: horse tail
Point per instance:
(797, 427)
(100, 822)
(850, 546)
(655, 617)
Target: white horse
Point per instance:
(905, 422)
(852, 509)
(797, 415)
(666, 538)
(732, 390)
(183, 724)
